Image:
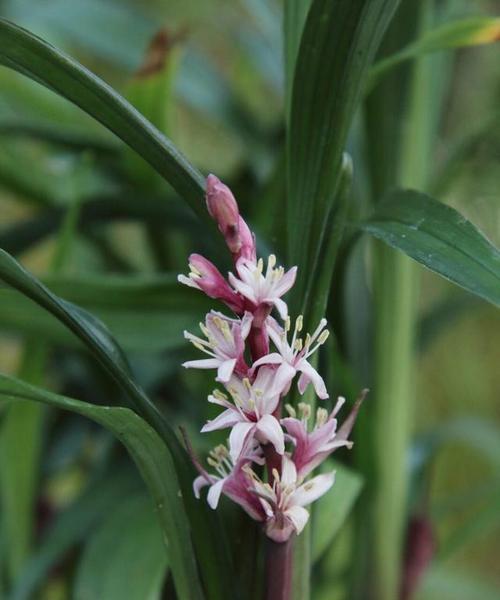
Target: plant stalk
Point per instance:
(278, 577)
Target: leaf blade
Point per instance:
(154, 463)
(441, 239)
(29, 55)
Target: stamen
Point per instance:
(304, 410)
(271, 262)
(287, 324)
(299, 323)
(323, 337)
(194, 270)
(321, 417)
(219, 395)
(276, 475)
(291, 411)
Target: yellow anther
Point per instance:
(271, 262)
(247, 384)
(323, 337)
(219, 395)
(212, 462)
(194, 270)
(305, 410)
(287, 324)
(298, 345)
(290, 410)
(276, 475)
(299, 323)
(308, 340)
(321, 416)
(260, 265)
(197, 345)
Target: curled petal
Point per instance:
(270, 431)
(299, 516)
(198, 484)
(237, 438)
(214, 493)
(312, 375)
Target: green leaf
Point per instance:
(294, 20)
(112, 567)
(209, 537)
(337, 47)
(146, 314)
(472, 31)
(442, 583)
(72, 526)
(154, 463)
(332, 509)
(441, 239)
(22, 51)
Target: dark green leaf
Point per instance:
(112, 567)
(31, 56)
(441, 239)
(71, 527)
(337, 47)
(154, 463)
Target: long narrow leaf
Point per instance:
(338, 44)
(441, 239)
(24, 52)
(473, 31)
(154, 463)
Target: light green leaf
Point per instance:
(442, 583)
(154, 463)
(22, 51)
(112, 567)
(332, 509)
(472, 31)
(441, 239)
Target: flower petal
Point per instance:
(314, 488)
(225, 370)
(228, 418)
(288, 471)
(283, 378)
(199, 483)
(317, 381)
(214, 493)
(298, 516)
(281, 307)
(269, 359)
(270, 431)
(204, 363)
(238, 437)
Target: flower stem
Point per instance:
(278, 570)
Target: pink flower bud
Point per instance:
(224, 210)
(206, 277)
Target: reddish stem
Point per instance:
(278, 580)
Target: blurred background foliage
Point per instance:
(222, 103)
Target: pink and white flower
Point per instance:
(250, 414)
(205, 276)
(231, 479)
(285, 499)
(311, 448)
(225, 344)
(291, 357)
(263, 288)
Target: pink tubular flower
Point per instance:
(223, 208)
(205, 276)
(225, 344)
(292, 357)
(231, 479)
(250, 414)
(284, 501)
(261, 288)
(311, 448)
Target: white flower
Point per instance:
(225, 344)
(263, 288)
(250, 414)
(284, 501)
(292, 357)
